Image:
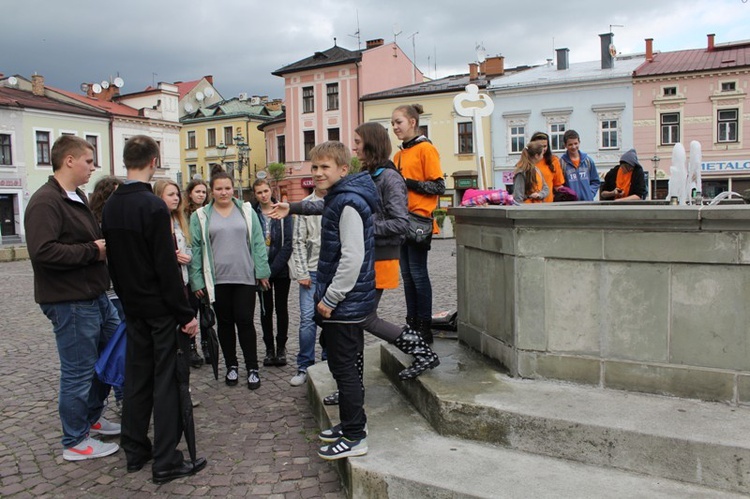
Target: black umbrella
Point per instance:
(182, 373)
(208, 319)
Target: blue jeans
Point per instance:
(307, 327)
(417, 286)
(82, 329)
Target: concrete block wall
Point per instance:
(642, 298)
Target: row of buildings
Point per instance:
(649, 101)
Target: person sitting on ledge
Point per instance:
(626, 181)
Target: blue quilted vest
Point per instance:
(359, 192)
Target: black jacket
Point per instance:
(60, 235)
(141, 255)
(637, 181)
(280, 250)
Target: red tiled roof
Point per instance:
(689, 61)
(20, 98)
(112, 107)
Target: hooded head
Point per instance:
(630, 158)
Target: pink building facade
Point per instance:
(322, 97)
(699, 94)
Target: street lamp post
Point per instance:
(655, 160)
(243, 158)
(222, 152)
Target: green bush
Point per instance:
(439, 214)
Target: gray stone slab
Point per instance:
(635, 312)
(573, 306)
(710, 323)
(666, 246)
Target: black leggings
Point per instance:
(278, 295)
(234, 306)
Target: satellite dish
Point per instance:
(255, 101)
(119, 82)
(199, 96)
(481, 53)
(12, 81)
(209, 92)
(188, 107)
(261, 174)
(612, 50)
(84, 87)
(97, 89)
(105, 84)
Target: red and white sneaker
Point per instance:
(104, 427)
(90, 448)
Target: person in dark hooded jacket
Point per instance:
(626, 181)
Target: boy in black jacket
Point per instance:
(146, 276)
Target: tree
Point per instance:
(277, 172)
(355, 165)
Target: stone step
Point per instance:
(467, 396)
(407, 458)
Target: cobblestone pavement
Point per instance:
(259, 444)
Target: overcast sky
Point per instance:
(240, 42)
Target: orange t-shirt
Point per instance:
(539, 180)
(386, 274)
(553, 180)
(623, 180)
(420, 162)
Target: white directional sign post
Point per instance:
(474, 105)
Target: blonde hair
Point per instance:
(332, 149)
(527, 166)
(179, 213)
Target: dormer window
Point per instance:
(728, 86)
(670, 91)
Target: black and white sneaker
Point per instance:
(253, 379)
(342, 448)
(333, 434)
(231, 377)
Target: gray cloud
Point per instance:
(242, 42)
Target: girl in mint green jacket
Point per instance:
(229, 264)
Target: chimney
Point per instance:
(37, 85)
(371, 44)
(649, 49)
(562, 58)
(608, 58)
(210, 79)
(473, 71)
(711, 42)
(494, 66)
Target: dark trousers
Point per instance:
(150, 383)
(344, 343)
(278, 295)
(417, 285)
(234, 306)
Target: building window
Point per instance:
(94, 141)
(728, 124)
(556, 132)
(466, 138)
(670, 128)
(609, 134)
(728, 86)
(309, 142)
(42, 148)
(517, 139)
(281, 149)
(211, 137)
(6, 153)
(158, 158)
(425, 130)
(670, 91)
(192, 171)
(333, 134)
(308, 100)
(228, 136)
(332, 92)
(191, 140)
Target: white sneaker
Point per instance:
(299, 379)
(104, 427)
(90, 448)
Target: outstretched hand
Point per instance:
(279, 211)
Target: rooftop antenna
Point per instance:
(414, 51)
(615, 26)
(153, 79)
(357, 33)
(396, 31)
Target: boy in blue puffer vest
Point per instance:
(345, 289)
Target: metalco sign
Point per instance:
(740, 165)
(307, 182)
